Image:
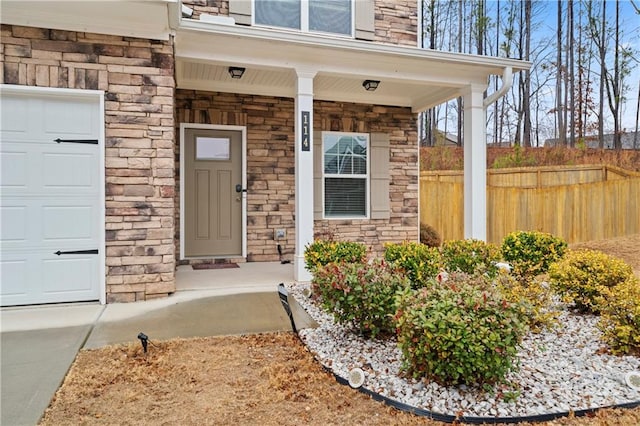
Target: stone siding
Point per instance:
(137, 76)
(271, 165)
(396, 21)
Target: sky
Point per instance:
(544, 33)
(630, 22)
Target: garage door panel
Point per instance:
(57, 278)
(13, 172)
(61, 224)
(68, 118)
(14, 274)
(68, 170)
(69, 276)
(14, 116)
(14, 223)
(65, 223)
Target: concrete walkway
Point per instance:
(39, 344)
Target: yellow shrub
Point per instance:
(620, 317)
(582, 275)
(534, 299)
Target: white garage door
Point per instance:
(51, 201)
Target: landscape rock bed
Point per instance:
(562, 370)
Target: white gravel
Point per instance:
(560, 370)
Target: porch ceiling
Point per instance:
(409, 77)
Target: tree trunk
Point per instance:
(559, 106)
(526, 104)
(635, 136)
(571, 91)
(603, 74)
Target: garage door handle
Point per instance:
(89, 141)
(94, 251)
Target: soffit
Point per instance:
(410, 77)
(131, 18)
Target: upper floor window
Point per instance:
(328, 16)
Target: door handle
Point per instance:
(239, 188)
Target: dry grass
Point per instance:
(268, 379)
(451, 158)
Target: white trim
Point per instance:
(321, 40)
(150, 19)
(243, 130)
(98, 95)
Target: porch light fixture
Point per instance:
(236, 72)
(371, 85)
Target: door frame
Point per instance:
(98, 97)
(243, 131)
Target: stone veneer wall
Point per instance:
(271, 165)
(137, 77)
(396, 21)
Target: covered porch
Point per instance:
(312, 68)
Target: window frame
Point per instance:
(367, 177)
(304, 21)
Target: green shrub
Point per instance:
(361, 295)
(533, 298)
(518, 158)
(582, 275)
(419, 261)
(323, 252)
(429, 236)
(458, 332)
(531, 252)
(470, 255)
(620, 317)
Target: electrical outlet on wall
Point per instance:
(279, 234)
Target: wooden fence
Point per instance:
(577, 203)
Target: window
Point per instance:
(212, 148)
(328, 16)
(345, 174)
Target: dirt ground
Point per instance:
(625, 248)
(267, 379)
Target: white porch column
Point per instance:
(475, 164)
(304, 171)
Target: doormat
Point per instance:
(197, 266)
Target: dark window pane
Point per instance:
(331, 16)
(278, 13)
(331, 164)
(360, 165)
(345, 197)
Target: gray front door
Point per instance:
(213, 207)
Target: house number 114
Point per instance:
(305, 131)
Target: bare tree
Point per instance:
(598, 30)
(560, 113)
(570, 91)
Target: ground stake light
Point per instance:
(144, 339)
